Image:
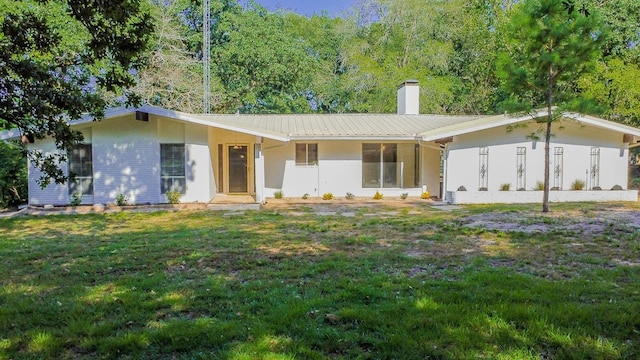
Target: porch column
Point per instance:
(445, 170)
(259, 170)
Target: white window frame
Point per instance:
(174, 177)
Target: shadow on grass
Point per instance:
(266, 287)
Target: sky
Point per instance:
(308, 7)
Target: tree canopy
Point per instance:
(58, 60)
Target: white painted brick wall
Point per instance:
(126, 159)
(54, 194)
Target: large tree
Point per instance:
(58, 59)
(549, 45)
(173, 72)
(449, 46)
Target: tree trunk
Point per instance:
(547, 141)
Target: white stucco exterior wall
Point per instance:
(339, 170)
(199, 170)
(430, 158)
(577, 142)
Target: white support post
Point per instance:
(259, 171)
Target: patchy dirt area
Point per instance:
(588, 218)
(581, 222)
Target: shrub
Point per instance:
(121, 199)
(75, 199)
(305, 196)
(377, 196)
(13, 175)
(462, 188)
(425, 195)
(173, 197)
(616, 187)
(577, 184)
(278, 194)
(505, 187)
(404, 196)
(539, 185)
(327, 196)
(349, 196)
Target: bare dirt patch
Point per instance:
(592, 222)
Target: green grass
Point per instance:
(266, 285)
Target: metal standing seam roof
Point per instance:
(285, 127)
(346, 126)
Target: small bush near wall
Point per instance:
(577, 185)
(305, 196)
(76, 199)
(378, 196)
(505, 187)
(121, 199)
(173, 197)
(278, 194)
(462, 188)
(539, 186)
(404, 196)
(327, 196)
(425, 195)
(616, 187)
(349, 196)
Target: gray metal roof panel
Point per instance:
(340, 125)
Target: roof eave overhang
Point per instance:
(477, 125)
(603, 124)
(176, 115)
(353, 138)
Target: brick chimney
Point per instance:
(409, 98)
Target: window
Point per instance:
(379, 165)
(172, 168)
(81, 164)
(558, 164)
(594, 168)
(306, 154)
(521, 168)
(483, 169)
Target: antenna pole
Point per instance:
(206, 55)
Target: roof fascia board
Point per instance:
(477, 125)
(177, 115)
(110, 113)
(602, 123)
(351, 138)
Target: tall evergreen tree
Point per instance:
(549, 45)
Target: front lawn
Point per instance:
(492, 282)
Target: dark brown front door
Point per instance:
(238, 169)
